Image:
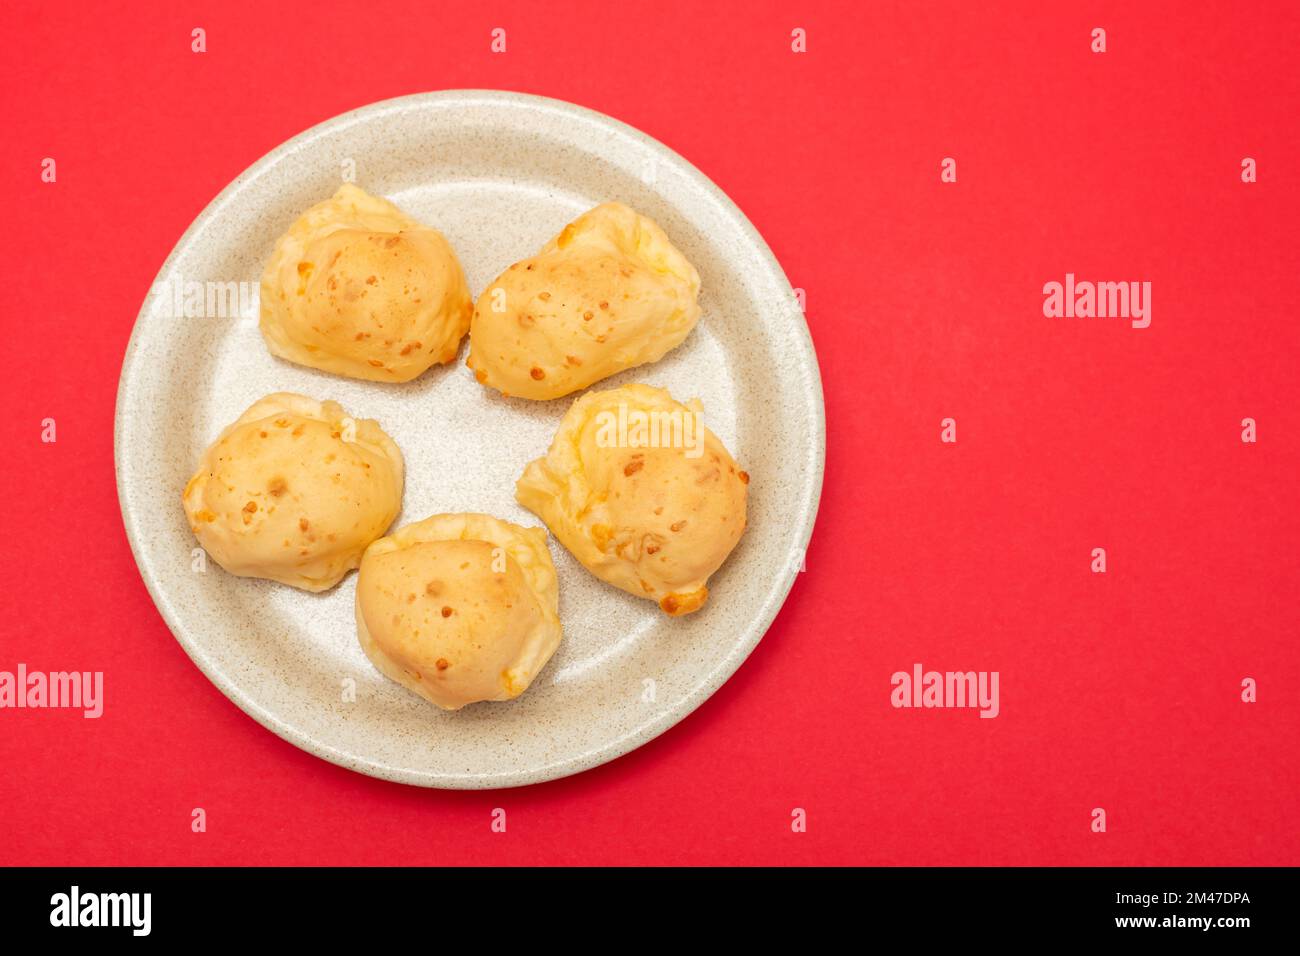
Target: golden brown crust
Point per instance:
(609, 293)
(358, 288)
(294, 490)
(653, 518)
(459, 608)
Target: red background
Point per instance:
(1119, 691)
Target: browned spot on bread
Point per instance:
(678, 604)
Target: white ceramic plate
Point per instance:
(498, 174)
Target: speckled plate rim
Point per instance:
(802, 516)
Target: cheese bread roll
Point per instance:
(459, 608)
(358, 288)
(641, 493)
(294, 491)
(608, 293)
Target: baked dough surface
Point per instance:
(459, 608)
(358, 288)
(654, 521)
(294, 490)
(608, 293)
